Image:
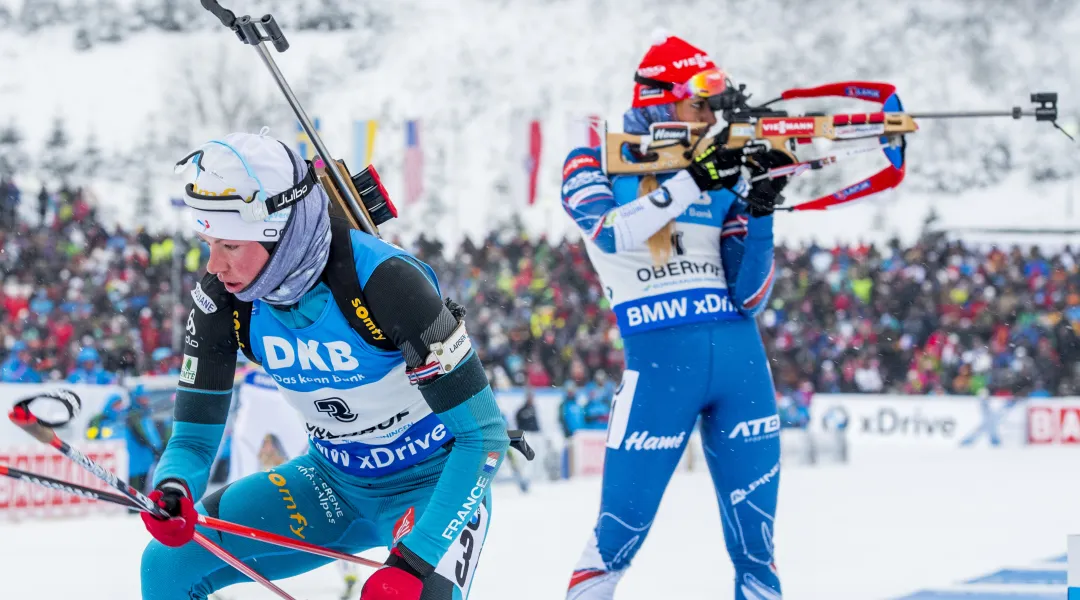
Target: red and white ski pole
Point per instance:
(42, 431)
(205, 521)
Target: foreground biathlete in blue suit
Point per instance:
(686, 260)
(405, 432)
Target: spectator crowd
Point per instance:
(86, 302)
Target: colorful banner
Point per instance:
(414, 163)
(304, 147)
(532, 165)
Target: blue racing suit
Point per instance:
(693, 355)
(389, 463)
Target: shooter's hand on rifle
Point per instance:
(763, 194)
(716, 167)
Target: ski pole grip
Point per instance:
(517, 442)
(22, 418)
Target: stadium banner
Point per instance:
(21, 500)
(926, 421)
(1053, 421)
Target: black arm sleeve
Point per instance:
(210, 340)
(408, 308)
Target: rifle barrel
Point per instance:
(331, 167)
(1014, 113)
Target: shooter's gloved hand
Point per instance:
(179, 528)
(764, 195)
(716, 167)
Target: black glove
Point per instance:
(763, 195)
(716, 167)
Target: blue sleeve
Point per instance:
(587, 196)
(199, 423)
(480, 444)
(746, 251)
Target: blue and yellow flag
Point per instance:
(364, 143)
(304, 147)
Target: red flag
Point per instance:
(532, 164)
(584, 132)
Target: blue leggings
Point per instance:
(718, 372)
(308, 499)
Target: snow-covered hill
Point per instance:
(473, 69)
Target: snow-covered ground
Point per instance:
(890, 524)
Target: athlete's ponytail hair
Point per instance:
(660, 242)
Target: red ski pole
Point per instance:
(22, 417)
(205, 521)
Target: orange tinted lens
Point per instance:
(707, 83)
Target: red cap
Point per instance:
(672, 60)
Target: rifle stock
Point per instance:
(777, 133)
(339, 207)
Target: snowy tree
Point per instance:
(6, 18)
(57, 161)
(13, 159)
(168, 15)
(326, 15)
(83, 40)
(36, 14)
(144, 201)
(106, 22)
(219, 90)
(90, 158)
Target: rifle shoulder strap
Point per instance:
(340, 276)
(242, 325)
